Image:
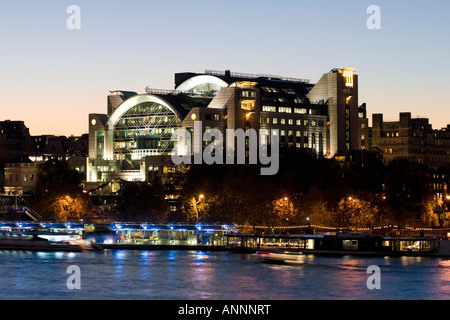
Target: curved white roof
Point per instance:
(135, 100)
(199, 80)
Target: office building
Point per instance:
(132, 141)
(413, 139)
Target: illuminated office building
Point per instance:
(133, 140)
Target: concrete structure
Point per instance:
(133, 139)
(339, 90)
(20, 178)
(15, 141)
(411, 138)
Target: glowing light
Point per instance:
(93, 122)
(347, 74)
(193, 116)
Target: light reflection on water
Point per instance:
(175, 275)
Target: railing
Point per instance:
(160, 91)
(254, 76)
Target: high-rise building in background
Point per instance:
(411, 138)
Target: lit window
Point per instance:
(269, 109)
(301, 110)
(291, 122)
(248, 105)
(289, 91)
(275, 120)
(248, 94)
(269, 89)
(283, 121)
(285, 109)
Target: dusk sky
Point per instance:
(52, 77)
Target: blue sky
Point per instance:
(52, 77)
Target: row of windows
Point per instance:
(289, 110)
(26, 177)
(298, 122)
(248, 93)
(392, 134)
(290, 133)
(275, 90)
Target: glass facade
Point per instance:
(146, 129)
(205, 89)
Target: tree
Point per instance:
(312, 208)
(56, 184)
(357, 213)
(409, 195)
(142, 201)
(69, 208)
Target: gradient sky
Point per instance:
(52, 77)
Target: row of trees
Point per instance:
(306, 190)
(313, 191)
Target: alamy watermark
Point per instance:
(73, 22)
(74, 279)
(238, 147)
(374, 20)
(374, 280)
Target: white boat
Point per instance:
(85, 244)
(281, 257)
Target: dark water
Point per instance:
(188, 275)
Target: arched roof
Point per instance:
(199, 80)
(138, 99)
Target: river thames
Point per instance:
(192, 275)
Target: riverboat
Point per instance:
(32, 242)
(340, 244)
(281, 256)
